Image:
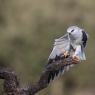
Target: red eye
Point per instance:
(72, 30)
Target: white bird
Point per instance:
(73, 43)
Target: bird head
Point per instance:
(74, 31)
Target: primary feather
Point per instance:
(60, 44)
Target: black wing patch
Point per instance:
(54, 74)
(84, 38)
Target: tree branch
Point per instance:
(11, 82)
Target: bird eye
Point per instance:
(72, 30)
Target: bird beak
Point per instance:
(69, 36)
(69, 33)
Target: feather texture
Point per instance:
(74, 42)
(62, 44)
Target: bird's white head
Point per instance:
(74, 31)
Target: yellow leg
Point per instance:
(66, 53)
(76, 58)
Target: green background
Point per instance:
(27, 32)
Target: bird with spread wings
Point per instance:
(72, 43)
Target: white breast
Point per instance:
(76, 41)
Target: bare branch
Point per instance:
(11, 82)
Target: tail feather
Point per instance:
(82, 55)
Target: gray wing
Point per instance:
(60, 44)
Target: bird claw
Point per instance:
(66, 53)
(76, 58)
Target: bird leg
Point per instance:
(76, 58)
(66, 53)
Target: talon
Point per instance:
(76, 58)
(66, 53)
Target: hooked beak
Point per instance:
(69, 33)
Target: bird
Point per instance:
(72, 43)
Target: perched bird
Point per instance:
(72, 43)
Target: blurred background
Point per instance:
(27, 32)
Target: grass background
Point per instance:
(27, 32)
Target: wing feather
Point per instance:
(60, 44)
